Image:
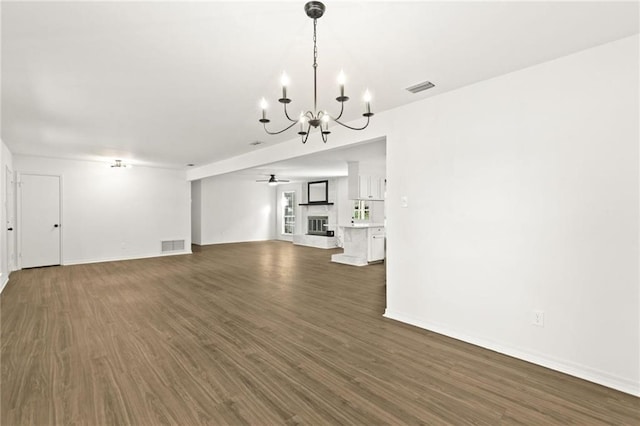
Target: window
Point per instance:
(360, 210)
(288, 212)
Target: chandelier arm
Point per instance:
(281, 131)
(287, 114)
(304, 138)
(341, 111)
(352, 128)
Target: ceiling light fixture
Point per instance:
(314, 118)
(120, 165)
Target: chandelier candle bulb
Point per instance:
(341, 81)
(325, 123)
(302, 121)
(284, 80)
(263, 106)
(367, 100)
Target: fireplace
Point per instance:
(317, 225)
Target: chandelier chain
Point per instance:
(315, 44)
(315, 68)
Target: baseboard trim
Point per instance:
(4, 280)
(215, 243)
(116, 259)
(580, 371)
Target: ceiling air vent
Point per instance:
(420, 87)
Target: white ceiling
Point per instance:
(171, 83)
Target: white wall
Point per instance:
(111, 214)
(196, 212)
(523, 195)
(235, 208)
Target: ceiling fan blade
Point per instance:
(284, 180)
(263, 180)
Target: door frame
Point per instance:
(18, 218)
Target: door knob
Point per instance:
(9, 229)
(56, 225)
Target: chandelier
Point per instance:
(314, 118)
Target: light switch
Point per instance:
(404, 201)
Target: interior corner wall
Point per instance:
(235, 208)
(196, 212)
(115, 214)
(523, 195)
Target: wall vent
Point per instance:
(421, 86)
(172, 245)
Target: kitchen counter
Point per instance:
(363, 243)
(363, 225)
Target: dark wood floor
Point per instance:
(256, 333)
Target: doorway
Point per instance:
(39, 220)
(10, 219)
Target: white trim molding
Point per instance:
(117, 259)
(4, 280)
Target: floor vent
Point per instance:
(173, 245)
(421, 86)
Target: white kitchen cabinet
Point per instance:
(367, 188)
(370, 188)
(376, 245)
(364, 186)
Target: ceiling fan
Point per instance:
(272, 180)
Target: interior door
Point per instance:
(9, 210)
(39, 220)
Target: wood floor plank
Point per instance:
(256, 333)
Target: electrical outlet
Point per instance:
(404, 201)
(537, 318)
